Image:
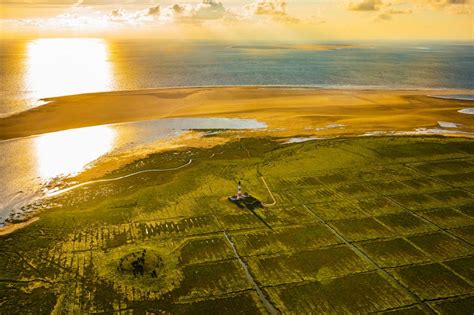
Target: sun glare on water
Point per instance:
(68, 152)
(62, 66)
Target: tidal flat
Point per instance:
(352, 225)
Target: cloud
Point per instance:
(122, 16)
(453, 6)
(399, 11)
(116, 13)
(383, 17)
(194, 18)
(40, 2)
(195, 13)
(154, 11)
(444, 3)
(389, 8)
(385, 10)
(269, 7)
(388, 13)
(209, 10)
(35, 3)
(174, 13)
(71, 21)
(274, 9)
(177, 9)
(365, 5)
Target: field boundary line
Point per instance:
(422, 218)
(436, 179)
(440, 229)
(265, 301)
(366, 258)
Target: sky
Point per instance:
(299, 20)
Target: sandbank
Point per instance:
(299, 111)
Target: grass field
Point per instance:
(360, 225)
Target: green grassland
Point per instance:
(383, 224)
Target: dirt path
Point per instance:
(271, 195)
(62, 191)
(14, 227)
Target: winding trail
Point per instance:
(271, 195)
(62, 191)
(8, 229)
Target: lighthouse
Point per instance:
(239, 191)
(244, 200)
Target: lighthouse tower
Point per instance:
(239, 191)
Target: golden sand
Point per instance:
(8, 229)
(296, 110)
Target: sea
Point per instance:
(31, 69)
(37, 68)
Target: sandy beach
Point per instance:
(295, 110)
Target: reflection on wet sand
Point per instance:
(68, 152)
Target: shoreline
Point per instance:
(272, 86)
(10, 228)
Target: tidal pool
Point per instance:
(469, 111)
